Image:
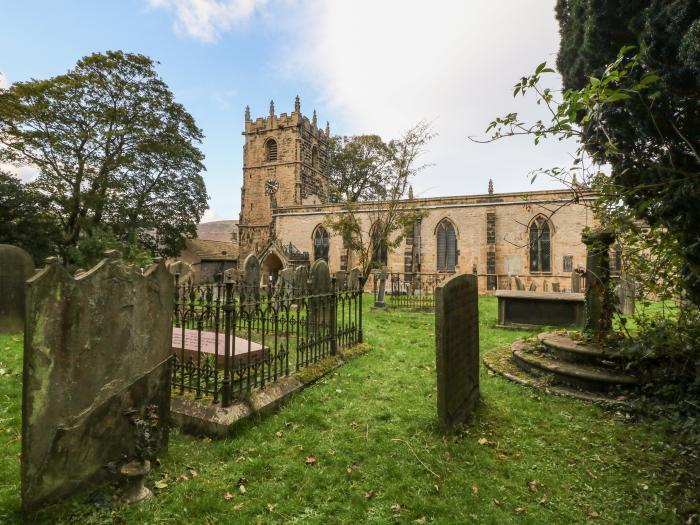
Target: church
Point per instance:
(285, 208)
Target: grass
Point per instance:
(372, 427)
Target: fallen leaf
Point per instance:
(396, 508)
(369, 494)
(543, 500)
(496, 502)
(311, 460)
(532, 485)
(160, 484)
(483, 441)
(239, 506)
(271, 506)
(228, 496)
(501, 456)
(592, 514)
(422, 519)
(475, 489)
(182, 477)
(241, 489)
(519, 510)
(430, 335)
(193, 473)
(352, 467)
(279, 434)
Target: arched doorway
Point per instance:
(270, 268)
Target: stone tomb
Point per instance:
(523, 309)
(242, 351)
(16, 266)
(457, 349)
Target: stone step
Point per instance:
(591, 378)
(566, 349)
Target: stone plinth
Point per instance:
(523, 309)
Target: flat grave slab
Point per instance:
(242, 350)
(523, 309)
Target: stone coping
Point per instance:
(565, 343)
(548, 296)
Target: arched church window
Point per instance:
(540, 245)
(271, 150)
(380, 252)
(314, 157)
(446, 246)
(321, 243)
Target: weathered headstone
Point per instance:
(556, 288)
(284, 287)
(232, 275)
(184, 271)
(354, 279)
(96, 354)
(16, 266)
(533, 287)
(301, 281)
(250, 283)
(383, 274)
(519, 284)
(599, 307)
(320, 287)
(341, 278)
(626, 293)
(457, 349)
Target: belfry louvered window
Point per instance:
(271, 150)
(446, 247)
(540, 246)
(321, 243)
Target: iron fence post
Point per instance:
(226, 383)
(333, 316)
(360, 294)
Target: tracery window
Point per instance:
(321, 242)
(446, 246)
(540, 245)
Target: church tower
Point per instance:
(285, 163)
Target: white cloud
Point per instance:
(210, 215)
(386, 65)
(24, 173)
(206, 20)
(3, 81)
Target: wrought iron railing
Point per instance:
(230, 338)
(413, 291)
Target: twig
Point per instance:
(416, 456)
(691, 403)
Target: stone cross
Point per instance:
(457, 349)
(379, 303)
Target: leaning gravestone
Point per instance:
(16, 266)
(457, 349)
(184, 271)
(533, 287)
(519, 284)
(96, 355)
(320, 301)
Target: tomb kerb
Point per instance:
(599, 304)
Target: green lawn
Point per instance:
(526, 458)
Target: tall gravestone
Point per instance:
(16, 266)
(250, 283)
(319, 302)
(301, 281)
(383, 274)
(599, 307)
(354, 279)
(96, 354)
(457, 349)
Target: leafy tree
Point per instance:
(366, 229)
(651, 142)
(117, 155)
(25, 218)
(358, 168)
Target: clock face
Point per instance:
(271, 186)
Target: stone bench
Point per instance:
(520, 309)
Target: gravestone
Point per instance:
(383, 274)
(457, 349)
(250, 284)
(301, 281)
(320, 301)
(519, 284)
(96, 354)
(576, 281)
(533, 287)
(341, 280)
(16, 266)
(354, 279)
(598, 293)
(556, 288)
(626, 293)
(184, 270)
(284, 287)
(232, 275)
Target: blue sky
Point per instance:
(374, 66)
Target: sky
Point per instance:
(366, 66)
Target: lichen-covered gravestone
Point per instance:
(183, 270)
(96, 355)
(250, 283)
(16, 266)
(320, 301)
(457, 349)
(354, 279)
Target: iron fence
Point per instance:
(414, 291)
(229, 338)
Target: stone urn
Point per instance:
(135, 474)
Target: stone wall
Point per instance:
(16, 266)
(512, 214)
(96, 353)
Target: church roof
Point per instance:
(213, 250)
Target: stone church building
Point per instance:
(497, 236)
